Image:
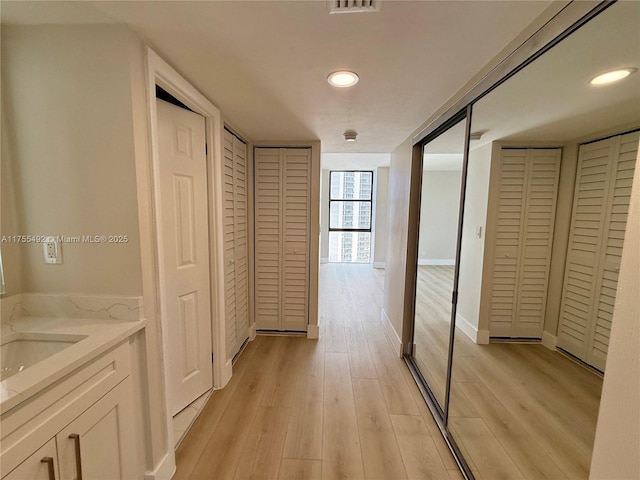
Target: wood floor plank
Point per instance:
(262, 452)
(304, 432)
(380, 452)
(293, 469)
(389, 369)
(484, 449)
(419, 452)
(223, 451)
(194, 443)
(341, 455)
(360, 361)
(280, 388)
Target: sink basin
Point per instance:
(21, 350)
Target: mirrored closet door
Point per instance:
(514, 363)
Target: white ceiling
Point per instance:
(551, 100)
(265, 63)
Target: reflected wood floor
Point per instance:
(342, 407)
(517, 410)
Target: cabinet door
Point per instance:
(34, 468)
(100, 441)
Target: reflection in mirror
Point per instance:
(551, 175)
(437, 238)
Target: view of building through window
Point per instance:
(350, 208)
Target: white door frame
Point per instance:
(161, 73)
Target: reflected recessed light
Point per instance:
(612, 76)
(343, 78)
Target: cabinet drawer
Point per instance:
(33, 468)
(29, 425)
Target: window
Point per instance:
(350, 208)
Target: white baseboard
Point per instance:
(549, 341)
(477, 336)
(313, 331)
(227, 372)
(324, 260)
(252, 332)
(165, 469)
(378, 264)
(391, 334)
(436, 261)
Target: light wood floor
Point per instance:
(343, 407)
(433, 321)
(517, 410)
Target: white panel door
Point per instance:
(184, 253)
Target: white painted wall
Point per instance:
(397, 232)
(381, 189)
(68, 105)
(439, 208)
(471, 259)
(617, 442)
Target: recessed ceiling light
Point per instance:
(612, 76)
(343, 78)
(350, 135)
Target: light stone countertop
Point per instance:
(100, 334)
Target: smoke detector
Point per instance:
(354, 6)
(350, 135)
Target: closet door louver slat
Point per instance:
(235, 242)
(283, 205)
(527, 189)
(603, 189)
(268, 218)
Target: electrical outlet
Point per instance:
(52, 250)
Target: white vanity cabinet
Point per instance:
(81, 427)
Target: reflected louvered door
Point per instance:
(527, 191)
(282, 226)
(603, 188)
(296, 211)
(235, 242)
(508, 233)
(543, 170)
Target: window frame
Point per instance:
(352, 200)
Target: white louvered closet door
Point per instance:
(282, 227)
(235, 242)
(296, 229)
(601, 202)
(527, 192)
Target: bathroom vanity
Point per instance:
(66, 399)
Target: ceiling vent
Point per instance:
(354, 6)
